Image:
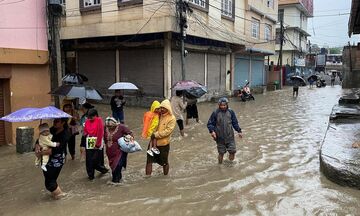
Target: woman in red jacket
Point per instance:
(94, 133)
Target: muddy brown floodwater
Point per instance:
(276, 170)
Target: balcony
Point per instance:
(306, 6)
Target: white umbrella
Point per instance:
(123, 86)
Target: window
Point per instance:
(124, 3)
(267, 32)
(270, 3)
(91, 3)
(200, 3)
(62, 2)
(227, 8)
(255, 28)
(281, 14)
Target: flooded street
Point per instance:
(276, 169)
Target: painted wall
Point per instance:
(24, 77)
(23, 24)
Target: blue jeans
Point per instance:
(119, 116)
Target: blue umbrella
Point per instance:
(32, 114)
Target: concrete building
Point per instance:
(24, 71)
(351, 54)
(138, 41)
(295, 14)
(260, 23)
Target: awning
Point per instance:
(354, 20)
(259, 51)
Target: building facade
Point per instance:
(24, 71)
(260, 23)
(139, 41)
(295, 14)
(351, 54)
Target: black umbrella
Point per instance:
(314, 77)
(74, 79)
(77, 91)
(195, 92)
(298, 79)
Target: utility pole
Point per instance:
(183, 7)
(54, 10)
(281, 49)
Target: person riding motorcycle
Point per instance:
(245, 93)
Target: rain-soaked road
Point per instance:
(276, 170)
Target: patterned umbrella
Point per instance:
(186, 85)
(32, 114)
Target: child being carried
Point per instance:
(45, 142)
(151, 122)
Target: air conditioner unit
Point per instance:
(54, 2)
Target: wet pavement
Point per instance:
(338, 160)
(276, 170)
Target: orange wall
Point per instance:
(29, 87)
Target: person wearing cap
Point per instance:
(61, 135)
(167, 122)
(85, 110)
(221, 125)
(45, 143)
(94, 133)
(117, 158)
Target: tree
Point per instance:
(335, 50)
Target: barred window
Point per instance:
(90, 3)
(255, 28)
(201, 3)
(227, 8)
(267, 32)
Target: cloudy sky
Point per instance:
(327, 28)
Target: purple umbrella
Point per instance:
(186, 85)
(32, 114)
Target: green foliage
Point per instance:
(335, 50)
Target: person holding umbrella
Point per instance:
(191, 110)
(117, 103)
(61, 135)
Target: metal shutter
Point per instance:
(144, 68)
(194, 66)
(257, 70)
(99, 67)
(241, 71)
(216, 77)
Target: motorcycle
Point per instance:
(320, 83)
(245, 93)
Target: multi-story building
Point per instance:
(260, 21)
(24, 71)
(138, 41)
(294, 14)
